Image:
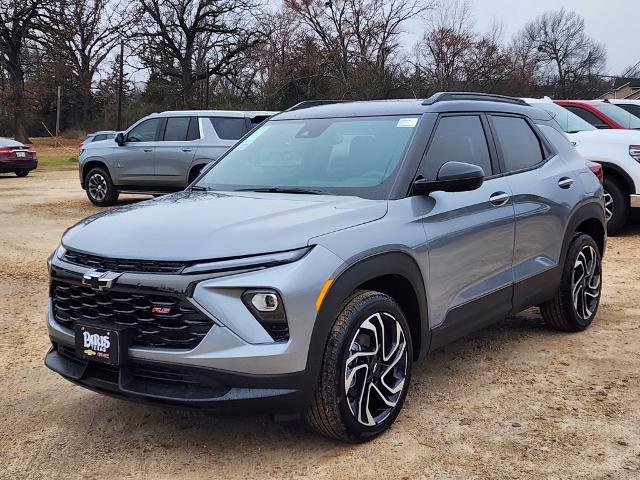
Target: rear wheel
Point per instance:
(616, 204)
(100, 189)
(22, 172)
(576, 301)
(366, 370)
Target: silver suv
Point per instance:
(326, 252)
(160, 153)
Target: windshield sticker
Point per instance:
(253, 137)
(407, 123)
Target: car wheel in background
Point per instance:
(616, 205)
(22, 173)
(100, 188)
(366, 370)
(576, 302)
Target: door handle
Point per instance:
(499, 198)
(148, 150)
(187, 149)
(565, 182)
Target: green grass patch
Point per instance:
(57, 162)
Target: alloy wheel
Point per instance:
(97, 187)
(608, 205)
(586, 282)
(376, 369)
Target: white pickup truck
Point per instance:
(618, 151)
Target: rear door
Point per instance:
(176, 149)
(470, 234)
(134, 161)
(545, 189)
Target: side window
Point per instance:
(520, 146)
(228, 128)
(97, 138)
(457, 139)
(631, 108)
(176, 129)
(145, 131)
(586, 115)
(110, 136)
(194, 129)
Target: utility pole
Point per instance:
(206, 88)
(120, 88)
(58, 113)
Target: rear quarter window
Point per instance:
(228, 128)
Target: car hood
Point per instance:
(195, 225)
(616, 136)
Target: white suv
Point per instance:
(618, 151)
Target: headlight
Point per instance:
(253, 261)
(634, 151)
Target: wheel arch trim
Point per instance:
(355, 273)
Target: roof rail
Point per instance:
(487, 97)
(312, 103)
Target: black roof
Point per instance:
(438, 103)
(622, 81)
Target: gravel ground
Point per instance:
(513, 401)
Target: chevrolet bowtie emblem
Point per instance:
(100, 280)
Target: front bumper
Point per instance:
(237, 354)
(184, 386)
(13, 165)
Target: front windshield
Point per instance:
(568, 121)
(619, 115)
(344, 156)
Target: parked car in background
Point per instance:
(618, 151)
(161, 153)
(631, 106)
(327, 251)
(97, 137)
(17, 158)
(601, 114)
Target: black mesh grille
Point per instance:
(160, 320)
(121, 265)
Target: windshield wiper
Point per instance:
(280, 190)
(200, 188)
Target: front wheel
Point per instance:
(100, 189)
(576, 301)
(366, 370)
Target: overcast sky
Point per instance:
(611, 22)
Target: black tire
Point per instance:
(330, 412)
(193, 174)
(619, 206)
(100, 189)
(561, 311)
(22, 173)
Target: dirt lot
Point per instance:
(513, 401)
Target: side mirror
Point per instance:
(452, 177)
(120, 139)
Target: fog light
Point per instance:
(267, 307)
(265, 302)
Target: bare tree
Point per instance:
(82, 34)
(353, 33)
(442, 53)
(565, 48)
(17, 18)
(175, 32)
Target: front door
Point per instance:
(134, 161)
(470, 235)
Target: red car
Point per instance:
(17, 158)
(601, 114)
